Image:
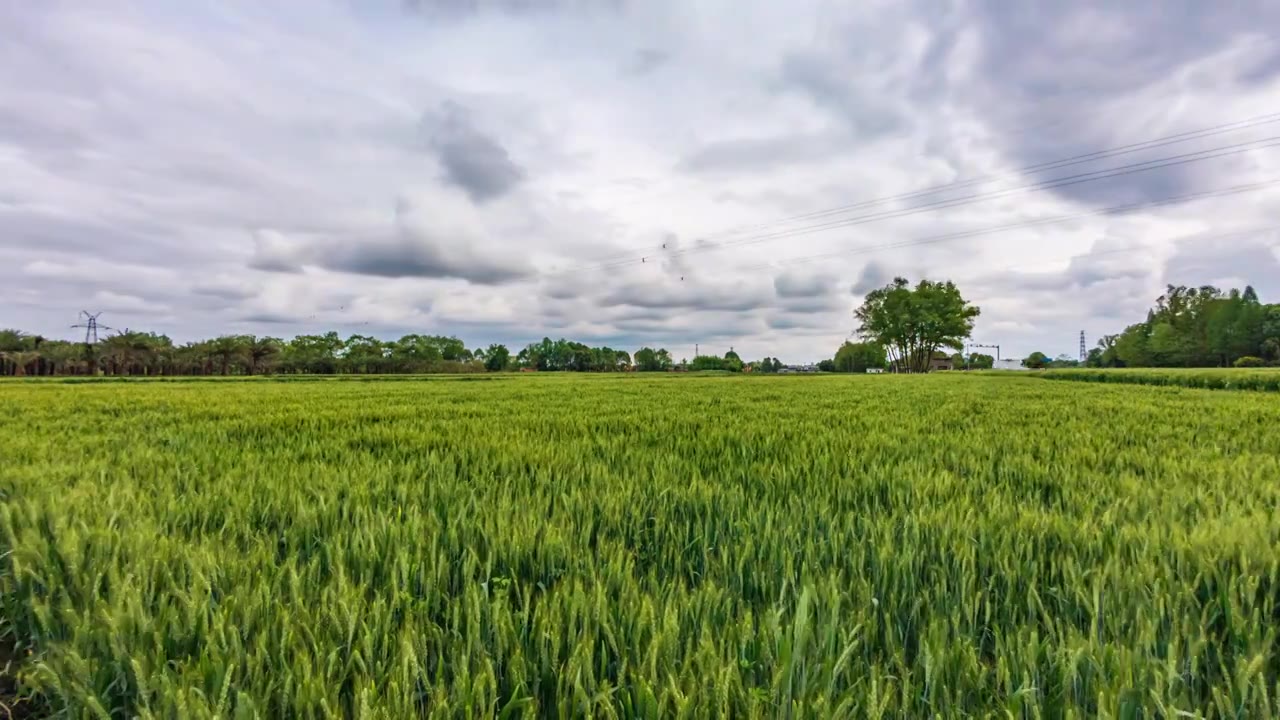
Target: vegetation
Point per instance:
(1196, 327)
(912, 324)
(1209, 379)
(148, 354)
(641, 546)
(859, 357)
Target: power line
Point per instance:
(933, 239)
(1186, 136)
(1055, 183)
(1048, 165)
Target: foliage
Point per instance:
(827, 365)
(1249, 361)
(148, 354)
(649, 360)
(857, 357)
(1196, 327)
(767, 365)
(640, 547)
(1036, 361)
(729, 363)
(1212, 379)
(497, 358)
(980, 361)
(913, 323)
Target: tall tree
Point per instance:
(497, 357)
(913, 323)
(859, 357)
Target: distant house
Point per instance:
(940, 361)
(874, 371)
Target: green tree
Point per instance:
(913, 323)
(649, 360)
(496, 358)
(859, 357)
(980, 361)
(1036, 360)
(260, 352)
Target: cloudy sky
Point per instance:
(624, 172)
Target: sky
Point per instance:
(628, 173)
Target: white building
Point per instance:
(1008, 364)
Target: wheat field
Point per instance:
(641, 547)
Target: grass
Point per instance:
(642, 547)
(1263, 379)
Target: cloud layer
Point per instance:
(631, 173)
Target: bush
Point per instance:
(1249, 361)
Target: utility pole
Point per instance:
(1082, 351)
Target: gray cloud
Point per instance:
(737, 297)
(873, 275)
(796, 284)
(404, 256)
(472, 160)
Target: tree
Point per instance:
(858, 357)
(980, 361)
(707, 362)
(911, 324)
(649, 360)
(827, 365)
(260, 350)
(496, 358)
(1036, 361)
(230, 349)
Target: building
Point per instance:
(1008, 364)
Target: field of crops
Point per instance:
(1265, 379)
(746, 547)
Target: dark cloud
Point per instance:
(689, 296)
(1054, 68)
(873, 275)
(408, 256)
(795, 284)
(473, 161)
(270, 318)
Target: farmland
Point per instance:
(636, 546)
(1264, 379)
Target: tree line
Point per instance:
(133, 353)
(1196, 327)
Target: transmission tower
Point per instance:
(1082, 350)
(89, 323)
